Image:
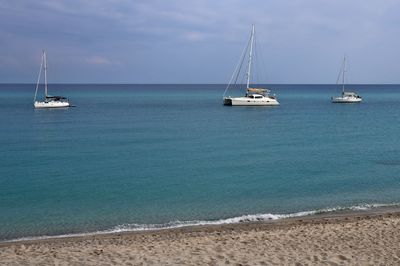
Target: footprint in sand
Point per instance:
(341, 257)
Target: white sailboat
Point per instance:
(347, 96)
(254, 96)
(49, 101)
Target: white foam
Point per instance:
(132, 227)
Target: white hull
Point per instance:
(51, 104)
(246, 101)
(346, 100)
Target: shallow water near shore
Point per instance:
(159, 154)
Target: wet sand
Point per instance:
(347, 238)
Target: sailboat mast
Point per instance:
(250, 57)
(45, 72)
(38, 79)
(344, 74)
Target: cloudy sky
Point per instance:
(198, 41)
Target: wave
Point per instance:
(243, 219)
(134, 227)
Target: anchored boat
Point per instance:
(49, 101)
(254, 96)
(347, 96)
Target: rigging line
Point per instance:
(241, 63)
(38, 79)
(237, 69)
(254, 77)
(45, 72)
(243, 79)
(250, 63)
(340, 73)
(345, 79)
(257, 60)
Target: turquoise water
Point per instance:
(142, 156)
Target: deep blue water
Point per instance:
(153, 154)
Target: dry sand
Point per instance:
(341, 239)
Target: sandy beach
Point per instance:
(352, 238)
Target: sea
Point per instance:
(132, 157)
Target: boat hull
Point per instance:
(245, 101)
(346, 100)
(51, 104)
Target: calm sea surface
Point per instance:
(144, 156)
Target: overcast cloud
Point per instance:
(180, 41)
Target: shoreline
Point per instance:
(317, 217)
(367, 209)
(351, 237)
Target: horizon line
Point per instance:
(116, 83)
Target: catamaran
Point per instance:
(254, 96)
(347, 96)
(49, 101)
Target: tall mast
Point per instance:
(45, 72)
(250, 56)
(344, 73)
(38, 79)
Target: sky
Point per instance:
(198, 41)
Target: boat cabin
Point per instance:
(255, 96)
(56, 99)
(351, 94)
(254, 91)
